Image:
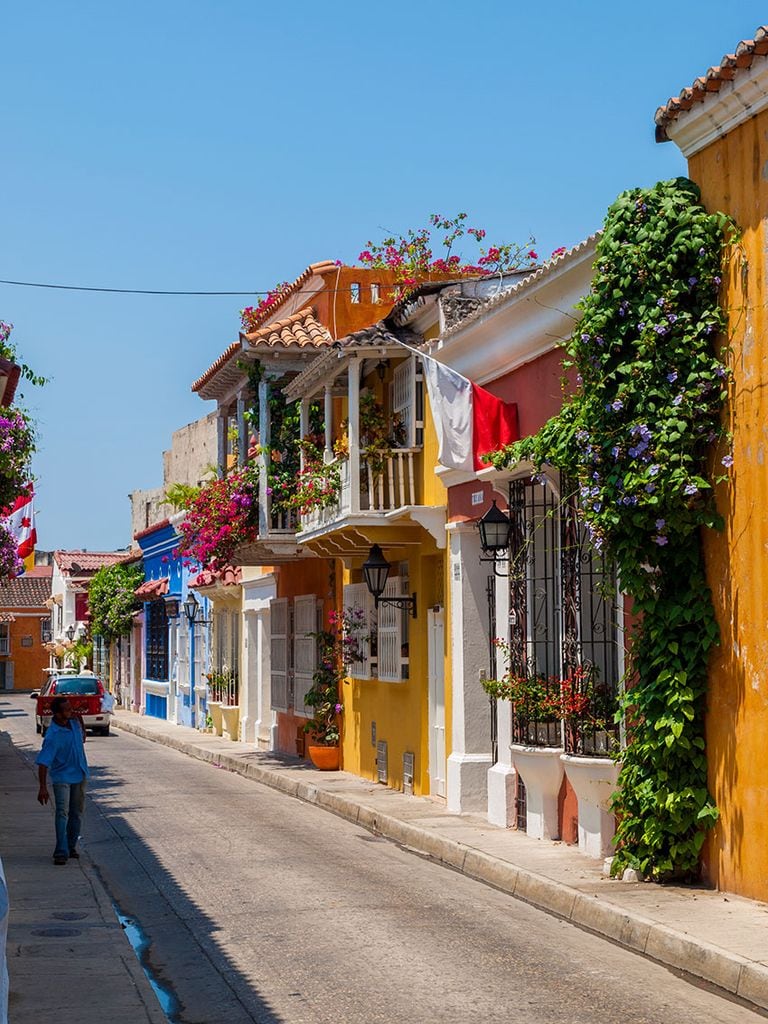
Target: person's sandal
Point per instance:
(75, 854)
(60, 860)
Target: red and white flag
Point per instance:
(469, 421)
(20, 523)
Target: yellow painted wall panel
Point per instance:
(732, 174)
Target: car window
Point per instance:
(84, 687)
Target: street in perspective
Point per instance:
(382, 630)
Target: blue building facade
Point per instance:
(175, 648)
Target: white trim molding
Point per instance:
(720, 112)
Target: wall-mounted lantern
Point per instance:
(376, 572)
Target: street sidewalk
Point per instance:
(720, 938)
(68, 957)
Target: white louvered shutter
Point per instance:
(278, 652)
(404, 398)
(304, 651)
(390, 634)
(358, 602)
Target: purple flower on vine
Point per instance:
(660, 524)
(672, 377)
(661, 540)
(720, 371)
(617, 405)
(672, 317)
(677, 399)
(690, 490)
(660, 303)
(693, 281)
(615, 451)
(727, 461)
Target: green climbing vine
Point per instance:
(638, 435)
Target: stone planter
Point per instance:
(230, 721)
(593, 780)
(541, 769)
(214, 710)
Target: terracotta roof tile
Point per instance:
(324, 267)
(82, 562)
(152, 589)
(301, 328)
(712, 80)
(229, 576)
(25, 592)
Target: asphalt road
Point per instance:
(260, 908)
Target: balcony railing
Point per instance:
(387, 482)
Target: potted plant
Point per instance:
(338, 649)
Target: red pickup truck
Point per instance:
(85, 693)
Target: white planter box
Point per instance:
(594, 781)
(541, 769)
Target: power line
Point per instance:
(122, 291)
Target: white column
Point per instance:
(502, 779)
(354, 434)
(470, 756)
(242, 434)
(303, 424)
(264, 457)
(221, 442)
(328, 413)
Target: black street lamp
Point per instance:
(194, 612)
(191, 606)
(70, 632)
(495, 533)
(376, 571)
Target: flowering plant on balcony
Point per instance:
(338, 649)
(222, 516)
(223, 686)
(10, 563)
(17, 444)
(318, 484)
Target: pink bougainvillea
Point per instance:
(220, 518)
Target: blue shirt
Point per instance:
(63, 753)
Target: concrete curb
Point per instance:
(746, 979)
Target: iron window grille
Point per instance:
(157, 641)
(563, 617)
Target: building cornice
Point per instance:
(719, 113)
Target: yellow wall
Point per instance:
(731, 174)
(400, 710)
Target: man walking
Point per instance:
(63, 757)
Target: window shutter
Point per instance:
(278, 652)
(359, 603)
(304, 651)
(404, 398)
(390, 634)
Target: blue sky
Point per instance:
(220, 146)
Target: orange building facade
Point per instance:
(721, 126)
(25, 628)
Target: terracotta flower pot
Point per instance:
(324, 758)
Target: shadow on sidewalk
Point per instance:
(198, 981)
